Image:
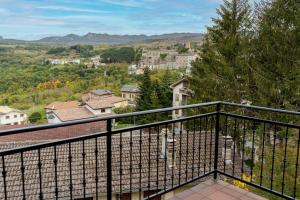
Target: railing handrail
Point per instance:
(97, 134)
(108, 133)
(260, 108)
(260, 120)
(96, 119)
(133, 114)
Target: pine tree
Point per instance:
(164, 92)
(222, 72)
(144, 101)
(277, 52)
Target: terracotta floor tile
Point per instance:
(207, 191)
(185, 194)
(232, 192)
(216, 190)
(174, 198)
(221, 196)
(195, 196)
(217, 186)
(220, 182)
(232, 187)
(199, 187)
(210, 182)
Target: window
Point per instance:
(124, 95)
(7, 117)
(16, 123)
(22, 115)
(15, 116)
(51, 117)
(102, 110)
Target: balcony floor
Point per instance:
(216, 190)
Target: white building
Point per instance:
(64, 61)
(181, 92)
(58, 112)
(10, 116)
(69, 114)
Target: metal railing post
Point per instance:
(108, 161)
(217, 133)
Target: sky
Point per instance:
(35, 19)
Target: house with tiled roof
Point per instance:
(58, 112)
(105, 105)
(131, 93)
(70, 114)
(95, 95)
(11, 116)
(58, 105)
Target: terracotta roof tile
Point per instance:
(154, 172)
(105, 102)
(73, 114)
(130, 88)
(53, 134)
(57, 105)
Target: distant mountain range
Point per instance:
(97, 38)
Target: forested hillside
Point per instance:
(29, 83)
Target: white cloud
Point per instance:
(127, 3)
(66, 8)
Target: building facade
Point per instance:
(10, 116)
(131, 93)
(181, 92)
(96, 95)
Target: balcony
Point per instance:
(249, 148)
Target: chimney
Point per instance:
(167, 150)
(227, 155)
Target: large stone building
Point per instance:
(95, 95)
(131, 93)
(186, 60)
(167, 59)
(11, 116)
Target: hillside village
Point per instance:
(176, 56)
(167, 58)
(98, 102)
(95, 103)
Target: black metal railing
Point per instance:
(158, 151)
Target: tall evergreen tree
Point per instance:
(222, 72)
(164, 92)
(277, 52)
(144, 101)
